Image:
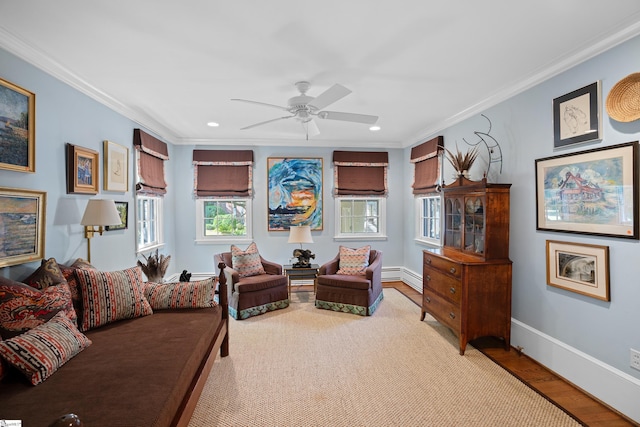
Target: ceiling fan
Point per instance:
(304, 108)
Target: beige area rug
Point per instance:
(303, 366)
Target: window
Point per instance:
(428, 215)
(222, 220)
(361, 218)
(149, 224)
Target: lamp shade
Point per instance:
(101, 212)
(300, 234)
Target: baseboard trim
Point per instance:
(604, 382)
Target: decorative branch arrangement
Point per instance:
(155, 267)
(462, 162)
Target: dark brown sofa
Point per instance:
(147, 371)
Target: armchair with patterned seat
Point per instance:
(351, 282)
(254, 285)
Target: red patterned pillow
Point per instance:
(198, 294)
(48, 274)
(23, 307)
(354, 262)
(38, 353)
(70, 276)
(111, 296)
(247, 262)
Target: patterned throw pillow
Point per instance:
(69, 273)
(354, 262)
(246, 263)
(23, 307)
(198, 294)
(48, 274)
(38, 353)
(111, 296)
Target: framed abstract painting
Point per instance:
(294, 192)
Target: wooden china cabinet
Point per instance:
(467, 283)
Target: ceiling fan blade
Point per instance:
(348, 117)
(264, 123)
(329, 96)
(261, 103)
(311, 128)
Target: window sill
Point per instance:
(359, 238)
(223, 241)
(425, 242)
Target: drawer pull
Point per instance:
(452, 270)
(452, 290)
(427, 299)
(452, 315)
(428, 260)
(428, 278)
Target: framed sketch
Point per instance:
(123, 211)
(116, 167)
(82, 170)
(294, 192)
(23, 223)
(579, 268)
(17, 128)
(590, 192)
(576, 117)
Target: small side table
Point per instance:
(298, 273)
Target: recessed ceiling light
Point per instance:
(213, 124)
(374, 128)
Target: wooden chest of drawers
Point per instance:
(470, 295)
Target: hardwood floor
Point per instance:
(581, 406)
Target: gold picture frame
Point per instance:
(579, 267)
(23, 215)
(116, 167)
(18, 129)
(82, 170)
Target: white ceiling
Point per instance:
(420, 65)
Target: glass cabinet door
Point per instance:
(474, 225)
(453, 223)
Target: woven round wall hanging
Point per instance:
(623, 101)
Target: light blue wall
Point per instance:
(273, 245)
(66, 115)
(523, 126)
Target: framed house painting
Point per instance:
(17, 128)
(590, 192)
(82, 170)
(123, 211)
(294, 192)
(22, 215)
(579, 268)
(576, 117)
(116, 167)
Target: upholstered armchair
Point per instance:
(254, 294)
(345, 287)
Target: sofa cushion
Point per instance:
(39, 352)
(23, 307)
(354, 261)
(69, 273)
(246, 263)
(196, 294)
(261, 282)
(111, 296)
(48, 274)
(348, 281)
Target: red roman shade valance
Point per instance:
(359, 173)
(151, 156)
(223, 173)
(426, 159)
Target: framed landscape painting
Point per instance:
(294, 192)
(17, 128)
(82, 170)
(22, 215)
(123, 211)
(589, 192)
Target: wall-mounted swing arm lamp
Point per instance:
(301, 234)
(98, 213)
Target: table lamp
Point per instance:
(99, 212)
(301, 234)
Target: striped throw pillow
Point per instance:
(110, 296)
(246, 263)
(354, 262)
(39, 352)
(198, 294)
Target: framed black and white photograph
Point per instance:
(577, 118)
(579, 268)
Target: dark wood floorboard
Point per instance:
(580, 405)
